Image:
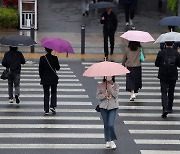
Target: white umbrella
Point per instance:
(168, 37)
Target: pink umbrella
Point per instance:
(57, 44)
(105, 68)
(139, 36)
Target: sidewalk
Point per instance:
(69, 23)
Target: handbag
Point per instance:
(97, 108)
(51, 67)
(142, 58)
(7, 72)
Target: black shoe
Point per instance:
(53, 110)
(46, 112)
(83, 14)
(164, 115)
(87, 13)
(17, 99)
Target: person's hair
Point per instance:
(171, 28)
(113, 79)
(48, 50)
(169, 43)
(13, 48)
(133, 45)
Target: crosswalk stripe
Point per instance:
(52, 146)
(47, 118)
(175, 123)
(156, 141)
(144, 93)
(159, 152)
(68, 126)
(59, 103)
(60, 76)
(37, 72)
(144, 107)
(60, 80)
(38, 84)
(41, 89)
(51, 135)
(145, 115)
(40, 95)
(41, 110)
(154, 131)
(144, 100)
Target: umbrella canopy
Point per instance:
(17, 40)
(136, 35)
(168, 37)
(170, 21)
(105, 68)
(100, 5)
(57, 44)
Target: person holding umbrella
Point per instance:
(107, 94)
(13, 60)
(48, 65)
(131, 60)
(109, 21)
(167, 60)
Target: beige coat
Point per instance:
(106, 103)
(131, 58)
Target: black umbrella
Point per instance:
(170, 21)
(100, 5)
(17, 40)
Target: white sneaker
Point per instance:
(10, 100)
(133, 96)
(113, 145)
(108, 144)
(127, 23)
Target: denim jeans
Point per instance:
(108, 117)
(14, 79)
(47, 95)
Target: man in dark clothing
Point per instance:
(129, 8)
(109, 21)
(13, 60)
(168, 74)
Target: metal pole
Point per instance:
(82, 39)
(32, 36)
(178, 8)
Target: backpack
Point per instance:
(168, 66)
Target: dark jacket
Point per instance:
(110, 22)
(47, 75)
(159, 61)
(13, 60)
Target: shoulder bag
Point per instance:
(7, 72)
(51, 67)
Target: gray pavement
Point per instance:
(58, 18)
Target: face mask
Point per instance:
(109, 78)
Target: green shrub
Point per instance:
(173, 6)
(8, 18)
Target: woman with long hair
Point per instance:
(131, 60)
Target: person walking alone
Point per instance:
(48, 65)
(13, 60)
(85, 7)
(129, 9)
(131, 60)
(167, 60)
(107, 94)
(109, 21)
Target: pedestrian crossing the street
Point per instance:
(151, 133)
(76, 124)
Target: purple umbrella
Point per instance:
(57, 44)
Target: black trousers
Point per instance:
(167, 94)
(110, 35)
(47, 96)
(129, 11)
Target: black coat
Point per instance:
(13, 60)
(47, 75)
(159, 61)
(110, 22)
